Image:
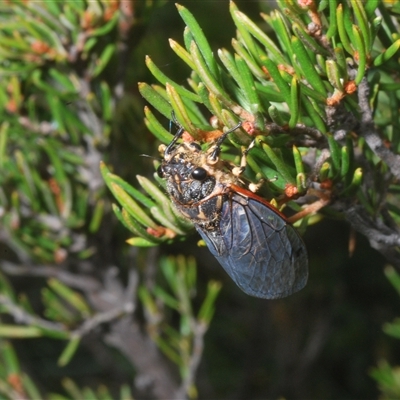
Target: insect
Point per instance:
(252, 240)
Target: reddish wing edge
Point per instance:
(251, 195)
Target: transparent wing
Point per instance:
(263, 254)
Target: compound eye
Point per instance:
(195, 146)
(199, 174)
(160, 171)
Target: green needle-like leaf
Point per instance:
(182, 53)
(159, 215)
(10, 358)
(277, 21)
(334, 74)
(277, 78)
(111, 178)
(251, 62)
(156, 128)
(141, 242)
(201, 40)
(294, 103)
(165, 80)
(308, 41)
(132, 224)
(207, 308)
(277, 116)
(362, 23)
(272, 50)
(230, 65)
(393, 277)
(155, 99)
(208, 79)
(361, 53)
(75, 299)
(345, 161)
(355, 184)
(3, 141)
(332, 30)
(180, 110)
(279, 163)
(69, 351)
(103, 60)
(335, 152)
(342, 30)
(387, 54)
(313, 113)
(246, 38)
(309, 71)
(131, 206)
(247, 84)
(19, 332)
(298, 161)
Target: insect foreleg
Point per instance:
(237, 171)
(217, 146)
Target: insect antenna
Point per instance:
(146, 155)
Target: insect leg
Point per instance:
(177, 135)
(237, 171)
(217, 147)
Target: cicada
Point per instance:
(263, 254)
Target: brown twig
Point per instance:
(367, 129)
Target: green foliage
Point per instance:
(14, 383)
(298, 91)
(388, 377)
(184, 345)
(56, 110)
(41, 98)
(293, 79)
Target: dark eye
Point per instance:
(160, 171)
(199, 174)
(195, 146)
